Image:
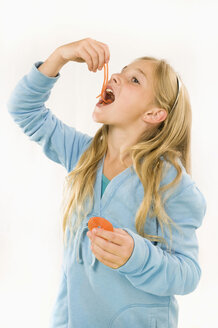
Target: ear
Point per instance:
(155, 115)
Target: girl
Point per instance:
(135, 172)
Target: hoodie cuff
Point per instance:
(139, 254)
(37, 78)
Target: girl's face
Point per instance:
(133, 94)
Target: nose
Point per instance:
(115, 78)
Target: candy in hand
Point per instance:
(99, 222)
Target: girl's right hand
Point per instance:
(93, 52)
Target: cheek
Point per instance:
(127, 112)
(125, 108)
(129, 105)
(127, 100)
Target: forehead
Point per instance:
(143, 66)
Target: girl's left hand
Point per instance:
(112, 248)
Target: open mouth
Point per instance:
(108, 98)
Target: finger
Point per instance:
(109, 264)
(88, 59)
(104, 256)
(107, 52)
(105, 48)
(121, 231)
(107, 246)
(94, 54)
(112, 236)
(102, 55)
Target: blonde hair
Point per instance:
(170, 141)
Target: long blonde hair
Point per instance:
(170, 141)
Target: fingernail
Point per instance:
(94, 230)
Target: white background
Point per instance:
(182, 32)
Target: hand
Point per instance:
(93, 52)
(112, 248)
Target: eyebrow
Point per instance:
(136, 69)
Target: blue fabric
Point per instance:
(140, 293)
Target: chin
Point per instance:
(97, 119)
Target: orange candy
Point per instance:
(105, 84)
(99, 222)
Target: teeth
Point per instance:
(109, 90)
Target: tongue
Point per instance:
(108, 101)
(105, 101)
(107, 98)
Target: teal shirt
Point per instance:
(104, 183)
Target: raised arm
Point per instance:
(60, 142)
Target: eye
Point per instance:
(135, 79)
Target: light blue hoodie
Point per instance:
(140, 293)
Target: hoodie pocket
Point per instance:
(141, 316)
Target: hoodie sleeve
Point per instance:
(61, 143)
(151, 268)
